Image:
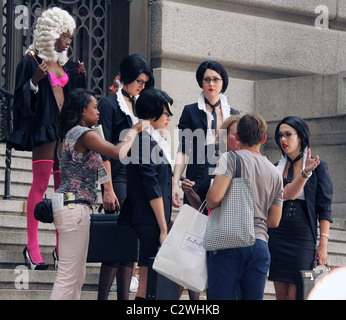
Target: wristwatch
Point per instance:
(304, 175)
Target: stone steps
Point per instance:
(13, 294)
(21, 175)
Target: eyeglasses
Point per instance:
(140, 82)
(287, 135)
(215, 80)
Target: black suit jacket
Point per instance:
(318, 192)
(193, 118)
(149, 176)
(113, 121)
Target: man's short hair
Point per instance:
(251, 129)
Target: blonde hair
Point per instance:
(50, 25)
(226, 125)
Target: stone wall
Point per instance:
(281, 56)
(321, 101)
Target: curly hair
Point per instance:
(72, 110)
(50, 25)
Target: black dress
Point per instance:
(291, 244)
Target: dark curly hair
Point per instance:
(72, 110)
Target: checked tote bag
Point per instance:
(231, 225)
(182, 257)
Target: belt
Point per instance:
(290, 207)
(87, 202)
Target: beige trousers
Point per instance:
(73, 226)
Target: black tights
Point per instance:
(193, 295)
(123, 272)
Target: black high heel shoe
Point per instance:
(32, 265)
(56, 259)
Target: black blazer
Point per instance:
(149, 176)
(113, 121)
(193, 118)
(318, 192)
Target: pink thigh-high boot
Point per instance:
(41, 170)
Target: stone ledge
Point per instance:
(253, 43)
(341, 15)
(298, 7)
(309, 97)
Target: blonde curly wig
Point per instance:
(50, 25)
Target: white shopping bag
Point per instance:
(182, 257)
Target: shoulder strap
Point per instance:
(238, 166)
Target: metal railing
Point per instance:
(7, 98)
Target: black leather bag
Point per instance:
(43, 211)
(110, 242)
(308, 279)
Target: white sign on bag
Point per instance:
(193, 244)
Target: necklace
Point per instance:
(254, 151)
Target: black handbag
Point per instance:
(43, 211)
(111, 242)
(308, 278)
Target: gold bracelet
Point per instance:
(325, 235)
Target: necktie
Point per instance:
(290, 169)
(133, 101)
(213, 113)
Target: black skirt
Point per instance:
(291, 244)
